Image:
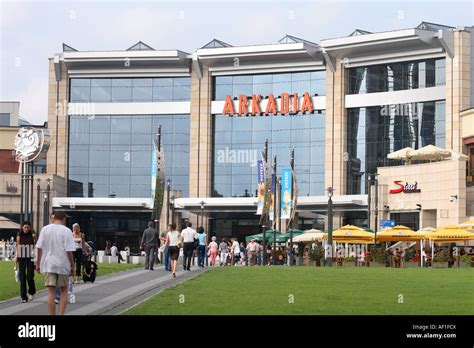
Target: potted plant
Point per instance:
(466, 261)
(316, 254)
(349, 261)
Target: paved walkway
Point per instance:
(110, 294)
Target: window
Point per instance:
(313, 82)
(238, 142)
(397, 76)
(112, 154)
(374, 132)
(126, 90)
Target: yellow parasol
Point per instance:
(351, 233)
(468, 225)
(450, 234)
(399, 234)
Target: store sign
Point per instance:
(406, 188)
(252, 107)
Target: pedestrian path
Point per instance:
(110, 294)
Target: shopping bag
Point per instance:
(70, 291)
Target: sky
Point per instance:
(33, 31)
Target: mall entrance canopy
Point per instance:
(316, 204)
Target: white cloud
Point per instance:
(34, 101)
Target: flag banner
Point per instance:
(286, 190)
(272, 205)
(264, 218)
(157, 180)
(260, 187)
(153, 173)
(292, 220)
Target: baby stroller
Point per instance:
(89, 270)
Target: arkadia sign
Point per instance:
(405, 188)
(286, 105)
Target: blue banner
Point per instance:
(260, 187)
(153, 173)
(272, 206)
(286, 189)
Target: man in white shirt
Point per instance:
(188, 235)
(236, 250)
(55, 246)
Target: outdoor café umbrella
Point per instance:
(283, 237)
(259, 236)
(350, 232)
(430, 152)
(399, 234)
(7, 224)
(448, 234)
(468, 225)
(404, 154)
(309, 236)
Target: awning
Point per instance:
(7, 224)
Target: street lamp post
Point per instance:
(38, 193)
(330, 218)
(46, 202)
(168, 189)
(264, 227)
(274, 224)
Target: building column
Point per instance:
(201, 132)
(458, 88)
(335, 108)
(58, 121)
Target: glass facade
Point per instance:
(111, 155)
(238, 143)
(127, 90)
(313, 82)
(396, 76)
(374, 132)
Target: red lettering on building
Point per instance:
(307, 103)
(284, 103)
(407, 188)
(288, 105)
(271, 106)
(228, 106)
(255, 105)
(243, 110)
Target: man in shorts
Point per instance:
(55, 246)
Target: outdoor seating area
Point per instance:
(353, 246)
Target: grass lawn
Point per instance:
(9, 288)
(320, 291)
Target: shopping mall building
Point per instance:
(342, 104)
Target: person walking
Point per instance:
(55, 247)
(188, 235)
(166, 255)
(235, 251)
(150, 244)
(172, 240)
(252, 248)
(223, 252)
(25, 244)
(201, 252)
(80, 252)
(213, 249)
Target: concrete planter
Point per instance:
(137, 260)
(438, 264)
